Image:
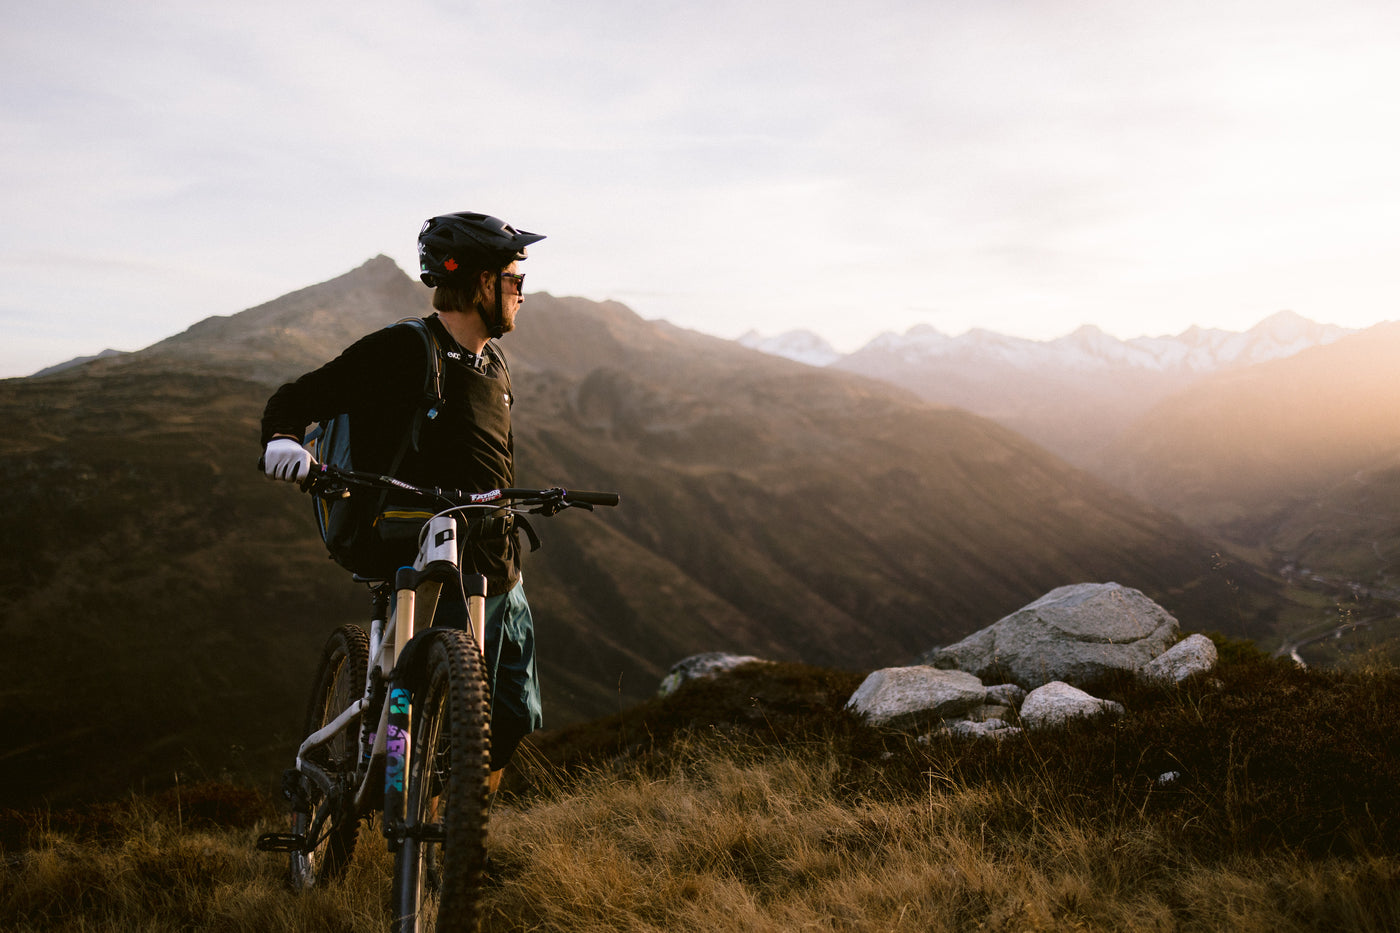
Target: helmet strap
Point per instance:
(494, 319)
(482, 307)
(498, 326)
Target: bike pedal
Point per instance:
(281, 842)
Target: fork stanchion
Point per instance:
(475, 584)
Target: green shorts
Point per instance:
(516, 710)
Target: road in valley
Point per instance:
(1376, 615)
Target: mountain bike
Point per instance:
(399, 718)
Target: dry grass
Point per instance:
(730, 840)
(775, 812)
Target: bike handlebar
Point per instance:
(324, 477)
(533, 496)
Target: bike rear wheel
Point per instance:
(329, 820)
(438, 869)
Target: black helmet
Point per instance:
(452, 241)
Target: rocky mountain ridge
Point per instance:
(1195, 350)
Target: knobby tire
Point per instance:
(437, 883)
(340, 681)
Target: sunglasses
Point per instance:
(518, 278)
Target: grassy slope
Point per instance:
(753, 803)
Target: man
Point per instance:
(470, 261)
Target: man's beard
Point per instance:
(495, 321)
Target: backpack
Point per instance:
(361, 534)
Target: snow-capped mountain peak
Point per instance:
(1196, 350)
(800, 345)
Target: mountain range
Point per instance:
(1197, 349)
(1282, 441)
(1074, 394)
(163, 603)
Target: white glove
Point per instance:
(287, 460)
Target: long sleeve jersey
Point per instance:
(379, 381)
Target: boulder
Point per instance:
(702, 665)
(1194, 654)
(915, 697)
(1075, 634)
(1057, 703)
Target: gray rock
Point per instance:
(1007, 695)
(990, 729)
(1075, 634)
(988, 712)
(1055, 704)
(1194, 654)
(702, 665)
(915, 697)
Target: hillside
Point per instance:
(1240, 448)
(1350, 532)
(165, 603)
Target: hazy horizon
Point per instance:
(761, 334)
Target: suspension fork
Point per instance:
(399, 704)
(397, 707)
(475, 585)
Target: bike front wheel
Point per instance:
(438, 869)
(327, 819)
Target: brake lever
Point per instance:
(552, 502)
(323, 484)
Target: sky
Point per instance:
(849, 168)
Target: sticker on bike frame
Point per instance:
(396, 742)
(396, 752)
(491, 496)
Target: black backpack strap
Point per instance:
(432, 386)
(432, 400)
(494, 352)
(432, 379)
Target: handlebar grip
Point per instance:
(592, 498)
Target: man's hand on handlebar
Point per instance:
(286, 460)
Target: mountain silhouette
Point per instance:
(165, 603)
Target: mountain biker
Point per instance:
(470, 261)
